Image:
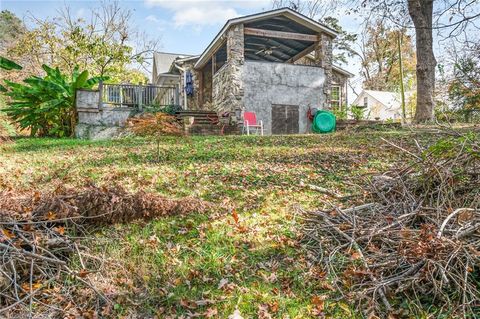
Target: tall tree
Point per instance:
(105, 43)
(11, 27)
(464, 84)
(11, 30)
(378, 51)
(315, 9)
(421, 12)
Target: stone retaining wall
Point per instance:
(99, 123)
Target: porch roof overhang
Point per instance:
(338, 69)
(285, 29)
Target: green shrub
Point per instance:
(46, 105)
(341, 113)
(357, 112)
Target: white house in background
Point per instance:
(382, 105)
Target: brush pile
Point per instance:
(416, 241)
(42, 233)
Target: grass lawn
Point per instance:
(209, 265)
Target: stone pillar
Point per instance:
(228, 83)
(324, 59)
(235, 45)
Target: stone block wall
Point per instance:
(95, 122)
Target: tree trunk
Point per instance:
(421, 12)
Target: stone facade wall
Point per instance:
(268, 83)
(227, 90)
(207, 88)
(324, 58)
(99, 123)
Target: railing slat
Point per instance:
(128, 95)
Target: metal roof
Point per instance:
(164, 60)
(284, 16)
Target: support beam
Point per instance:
(281, 34)
(301, 54)
(214, 64)
(251, 56)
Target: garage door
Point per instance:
(285, 119)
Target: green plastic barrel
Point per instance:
(324, 122)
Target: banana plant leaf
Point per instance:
(8, 65)
(81, 80)
(46, 104)
(95, 80)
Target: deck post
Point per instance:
(140, 98)
(100, 94)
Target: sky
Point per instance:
(182, 26)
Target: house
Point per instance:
(277, 64)
(382, 105)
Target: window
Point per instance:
(365, 101)
(335, 97)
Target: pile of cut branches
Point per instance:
(42, 233)
(416, 241)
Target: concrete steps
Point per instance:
(199, 117)
(205, 123)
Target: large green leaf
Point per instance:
(81, 80)
(95, 80)
(45, 104)
(50, 104)
(75, 73)
(54, 74)
(3, 89)
(13, 85)
(7, 64)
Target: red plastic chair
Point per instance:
(250, 121)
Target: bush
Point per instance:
(341, 113)
(357, 112)
(156, 126)
(46, 105)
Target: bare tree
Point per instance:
(315, 9)
(104, 43)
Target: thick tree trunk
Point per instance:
(421, 12)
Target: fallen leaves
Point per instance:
(235, 216)
(211, 313)
(223, 282)
(318, 303)
(227, 254)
